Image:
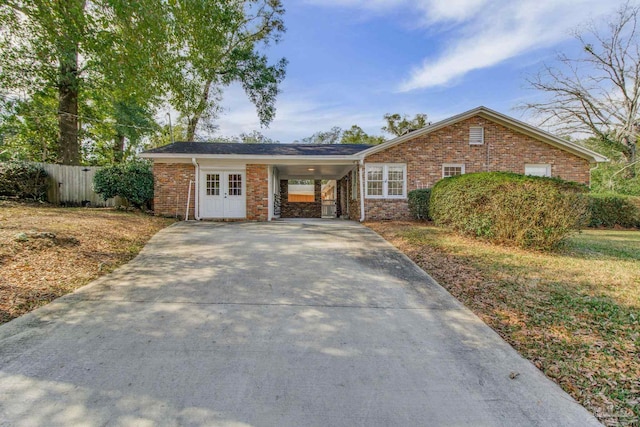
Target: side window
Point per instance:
(537, 169)
(387, 180)
(374, 180)
(395, 180)
(449, 169)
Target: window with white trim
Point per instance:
(537, 169)
(476, 135)
(235, 184)
(452, 169)
(213, 184)
(386, 181)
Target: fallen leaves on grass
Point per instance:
(46, 251)
(574, 314)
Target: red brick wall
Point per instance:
(300, 209)
(170, 189)
(508, 150)
(257, 192)
(354, 204)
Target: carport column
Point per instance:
(361, 169)
(257, 192)
(270, 193)
(317, 191)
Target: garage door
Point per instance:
(222, 194)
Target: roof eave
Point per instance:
(350, 157)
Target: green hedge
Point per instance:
(508, 208)
(132, 181)
(609, 210)
(419, 203)
(23, 180)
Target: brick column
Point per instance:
(257, 192)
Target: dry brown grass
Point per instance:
(46, 251)
(574, 313)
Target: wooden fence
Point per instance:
(73, 185)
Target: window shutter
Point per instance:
(476, 135)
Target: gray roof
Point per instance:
(260, 149)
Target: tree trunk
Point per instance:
(630, 155)
(197, 115)
(633, 158)
(118, 148)
(191, 126)
(68, 145)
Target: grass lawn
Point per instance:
(46, 252)
(575, 313)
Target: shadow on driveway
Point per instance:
(268, 324)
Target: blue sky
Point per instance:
(352, 61)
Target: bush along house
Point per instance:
(209, 180)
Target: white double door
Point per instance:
(222, 194)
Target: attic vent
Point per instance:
(476, 135)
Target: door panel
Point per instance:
(234, 202)
(211, 196)
(222, 194)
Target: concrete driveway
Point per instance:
(317, 323)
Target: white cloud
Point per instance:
(298, 115)
(437, 11)
(477, 34)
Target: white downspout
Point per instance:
(361, 169)
(196, 211)
(186, 212)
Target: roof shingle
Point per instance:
(222, 148)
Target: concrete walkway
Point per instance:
(283, 324)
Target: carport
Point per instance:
(325, 201)
(231, 181)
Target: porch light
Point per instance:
(311, 169)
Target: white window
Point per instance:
(386, 181)
(375, 180)
(537, 170)
(476, 135)
(213, 184)
(450, 169)
(235, 184)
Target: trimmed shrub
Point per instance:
(419, 203)
(508, 208)
(132, 181)
(609, 210)
(23, 180)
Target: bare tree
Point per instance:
(598, 92)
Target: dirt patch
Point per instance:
(47, 251)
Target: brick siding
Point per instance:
(171, 187)
(257, 192)
(503, 150)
